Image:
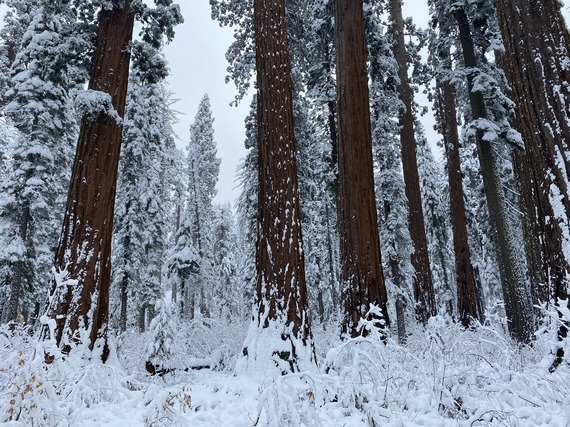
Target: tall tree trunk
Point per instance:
(362, 279)
(422, 282)
(466, 285)
(537, 50)
(84, 251)
(281, 288)
(518, 304)
(17, 280)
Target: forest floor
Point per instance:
(442, 376)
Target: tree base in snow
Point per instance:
(275, 349)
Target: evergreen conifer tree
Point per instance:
(280, 333)
(203, 171)
(44, 74)
(140, 227)
(362, 279)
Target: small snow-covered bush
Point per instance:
(167, 407)
(292, 400)
(26, 394)
(446, 375)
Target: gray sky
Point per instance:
(198, 66)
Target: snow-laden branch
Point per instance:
(92, 103)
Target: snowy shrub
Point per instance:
(167, 407)
(160, 350)
(292, 400)
(26, 394)
(175, 345)
(446, 375)
(92, 384)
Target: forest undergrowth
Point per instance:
(442, 376)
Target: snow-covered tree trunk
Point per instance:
(422, 280)
(465, 279)
(80, 304)
(537, 51)
(518, 304)
(362, 279)
(280, 334)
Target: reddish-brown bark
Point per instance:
(537, 48)
(362, 278)
(422, 281)
(281, 288)
(466, 284)
(85, 247)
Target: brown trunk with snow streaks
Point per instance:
(362, 279)
(281, 288)
(537, 48)
(85, 247)
(518, 304)
(422, 282)
(466, 284)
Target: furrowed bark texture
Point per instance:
(465, 280)
(537, 48)
(518, 304)
(362, 279)
(281, 287)
(422, 281)
(85, 247)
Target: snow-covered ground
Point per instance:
(442, 376)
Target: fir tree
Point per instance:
(140, 229)
(203, 171)
(43, 76)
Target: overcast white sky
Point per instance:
(198, 66)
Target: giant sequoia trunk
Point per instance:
(362, 279)
(80, 305)
(422, 281)
(280, 333)
(518, 305)
(537, 50)
(466, 284)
